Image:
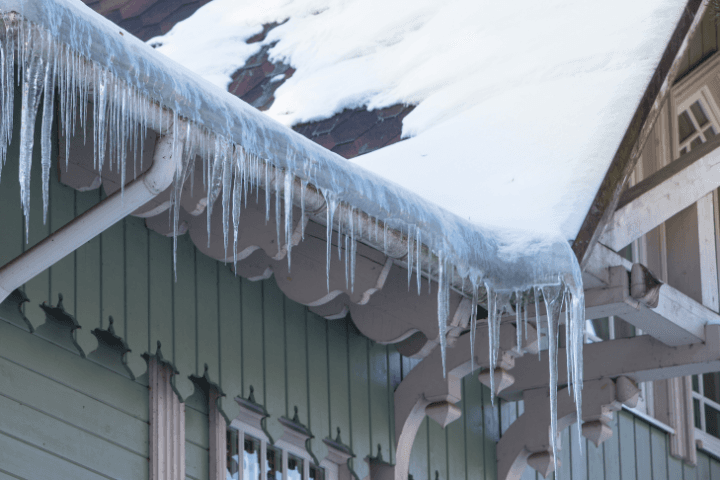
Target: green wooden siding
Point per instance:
(248, 334)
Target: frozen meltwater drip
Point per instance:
(473, 321)
(330, 206)
(518, 324)
(536, 296)
(553, 304)
(279, 181)
(239, 180)
(47, 117)
(33, 74)
(418, 271)
(7, 82)
(410, 254)
(303, 188)
(491, 306)
(443, 297)
(289, 183)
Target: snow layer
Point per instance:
(520, 108)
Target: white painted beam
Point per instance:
(640, 358)
(664, 194)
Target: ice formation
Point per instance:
(242, 151)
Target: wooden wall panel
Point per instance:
(319, 411)
(273, 325)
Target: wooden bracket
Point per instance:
(59, 327)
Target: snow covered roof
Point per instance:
(519, 110)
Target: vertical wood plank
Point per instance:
(437, 446)
(578, 454)
(642, 450)
(275, 348)
(138, 293)
(394, 379)
(659, 451)
(160, 285)
(565, 466)
(338, 378)
(491, 432)
(62, 211)
(112, 279)
(675, 467)
(703, 466)
(318, 392)
(88, 279)
(230, 340)
(611, 451)
(253, 365)
(714, 469)
(695, 47)
(379, 398)
(296, 360)
(208, 341)
(708, 35)
(360, 406)
(474, 431)
(595, 465)
(456, 448)
(689, 472)
(184, 326)
(626, 440)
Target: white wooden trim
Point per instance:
(707, 252)
(167, 425)
(707, 443)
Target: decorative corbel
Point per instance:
(425, 391)
(11, 310)
(111, 351)
(528, 440)
(379, 468)
(59, 327)
(338, 457)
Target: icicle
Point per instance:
(536, 295)
(491, 304)
(289, 183)
(267, 194)
(46, 134)
(418, 271)
(518, 324)
(216, 178)
(525, 321)
(303, 188)
(347, 266)
(553, 304)
(330, 206)
(353, 250)
(33, 72)
(227, 174)
(473, 323)
(443, 297)
(340, 233)
(278, 192)
(7, 48)
(410, 253)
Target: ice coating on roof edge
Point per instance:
(504, 261)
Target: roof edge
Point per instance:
(606, 199)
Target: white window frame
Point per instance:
(249, 422)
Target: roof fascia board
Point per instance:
(631, 146)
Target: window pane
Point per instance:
(295, 468)
(685, 126)
(696, 142)
(683, 151)
(696, 410)
(695, 384)
(232, 454)
(273, 464)
(251, 458)
(699, 113)
(709, 133)
(711, 386)
(317, 473)
(712, 421)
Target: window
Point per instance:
(696, 123)
(286, 459)
(706, 407)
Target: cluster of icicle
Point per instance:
(122, 114)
